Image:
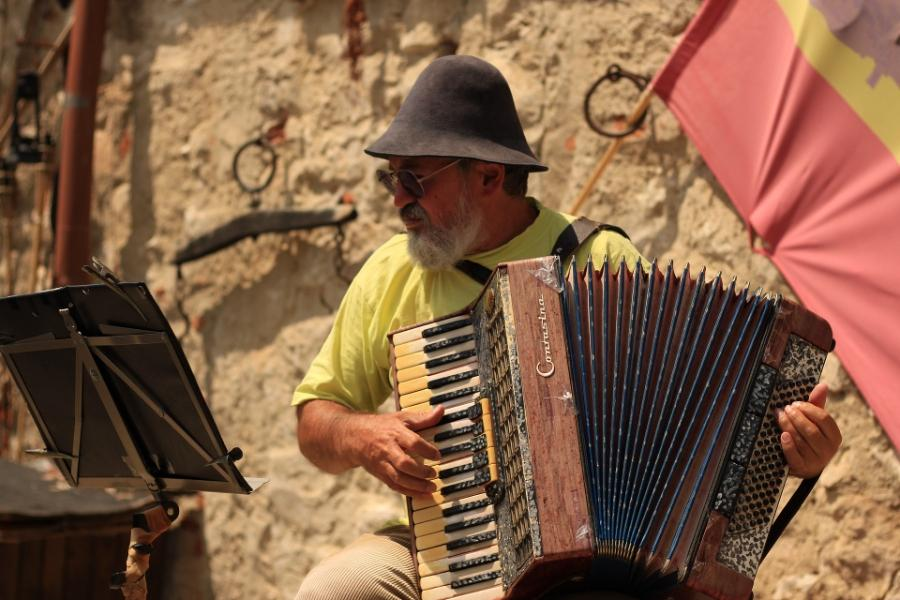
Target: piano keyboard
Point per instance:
(454, 527)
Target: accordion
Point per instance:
(611, 429)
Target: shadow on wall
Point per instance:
(666, 154)
(296, 288)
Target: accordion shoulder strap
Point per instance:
(571, 238)
(479, 273)
(578, 231)
(787, 513)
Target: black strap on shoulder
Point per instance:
(479, 273)
(578, 231)
(573, 236)
(787, 513)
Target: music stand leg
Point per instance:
(146, 527)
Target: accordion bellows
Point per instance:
(610, 429)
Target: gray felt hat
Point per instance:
(459, 107)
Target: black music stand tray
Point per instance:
(111, 391)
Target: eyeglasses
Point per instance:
(406, 178)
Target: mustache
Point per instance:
(413, 211)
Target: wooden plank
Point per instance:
(78, 565)
(9, 570)
(30, 560)
(108, 559)
(53, 569)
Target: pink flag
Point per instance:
(795, 105)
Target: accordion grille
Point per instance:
(748, 529)
(498, 368)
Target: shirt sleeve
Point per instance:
(611, 245)
(346, 369)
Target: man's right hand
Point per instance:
(387, 446)
(334, 438)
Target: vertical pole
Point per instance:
(73, 220)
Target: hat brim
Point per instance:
(452, 145)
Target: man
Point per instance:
(459, 164)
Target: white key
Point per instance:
(467, 593)
(415, 333)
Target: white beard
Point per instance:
(440, 248)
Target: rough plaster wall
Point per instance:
(186, 82)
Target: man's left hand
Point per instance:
(810, 437)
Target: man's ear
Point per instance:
(490, 176)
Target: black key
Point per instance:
(439, 398)
(471, 540)
(444, 328)
(474, 429)
(481, 478)
(479, 460)
(473, 445)
(473, 562)
(468, 523)
(465, 507)
(441, 382)
(474, 411)
(480, 578)
(471, 413)
(448, 342)
(444, 360)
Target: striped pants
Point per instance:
(377, 566)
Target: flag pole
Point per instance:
(639, 108)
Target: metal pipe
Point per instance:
(73, 217)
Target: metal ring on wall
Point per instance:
(613, 75)
(267, 150)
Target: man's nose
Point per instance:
(402, 197)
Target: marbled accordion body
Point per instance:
(612, 429)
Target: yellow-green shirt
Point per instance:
(391, 291)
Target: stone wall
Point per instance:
(185, 83)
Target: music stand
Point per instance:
(112, 393)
